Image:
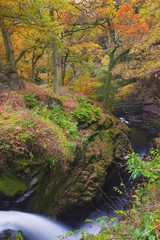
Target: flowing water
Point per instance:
(35, 227)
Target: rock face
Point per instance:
(41, 162)
(10, 82)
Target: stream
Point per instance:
(35, 227)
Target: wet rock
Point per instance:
(11, 235)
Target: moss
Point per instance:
(19, 236)
(105, 121)
(23, 162)
(65, 97)
(106, 234)
(11, 185)
(26, 135)
(114, 132)
(93, 127)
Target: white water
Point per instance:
(33, 227)
(123, 120)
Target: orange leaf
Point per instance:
(158, 235)
(157, 225)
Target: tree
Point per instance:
(120, 31)
(55, 58)
(19, 20)
(10, 13)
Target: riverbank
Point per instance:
(140, 219)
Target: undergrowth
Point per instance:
(25, 134)
(37, 126)
(142, 220)
(85, 112)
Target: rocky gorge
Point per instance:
(58, 153)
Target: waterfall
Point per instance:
(33, 227)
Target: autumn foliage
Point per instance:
(86, 36)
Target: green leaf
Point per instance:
(60, 236)
(89, 220)
(152, 237)
(112, 220)
(120, 212)
(116, 226)
(102, 222)
(149, 186)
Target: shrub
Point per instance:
(30, 100)
(60, 117)
(86, 112)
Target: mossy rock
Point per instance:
(105, 122)
(11, 234)
(60, 189)
(10, 186)
(19, 236)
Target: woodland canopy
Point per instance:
(85, 45)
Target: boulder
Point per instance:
(11, 235)
(10, 82)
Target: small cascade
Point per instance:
(33, 227)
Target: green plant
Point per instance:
(60, 117)
(142, 220)
(86, 112)
(30, 100)
(81, 99)
(103, 79)
(148, 168)
(84, 233)
(52, 161)
(146, 195)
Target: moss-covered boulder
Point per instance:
(80, 182)
(60, 152)
(11, 234)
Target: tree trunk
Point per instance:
(55, 60)
(10, 80)
(9, 50)
(56, 69)
(107, 88)
(74, 71)
(33, 70)
(63, 67)
(62, 71)
(108, 80)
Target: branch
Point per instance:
(77, 30)
(113, 63)
(40, 55)
(20, 56)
